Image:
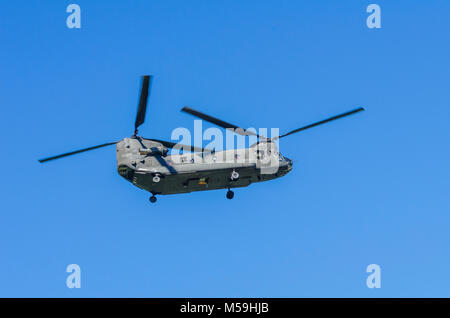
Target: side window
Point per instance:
(259, 154)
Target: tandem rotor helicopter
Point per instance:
(146, 163)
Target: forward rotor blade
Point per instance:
(142, 107)
(75, 152)
(321, 122)
(218, 122)
(170, 144)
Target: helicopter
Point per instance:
(147, 165)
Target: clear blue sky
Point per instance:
(373, 188)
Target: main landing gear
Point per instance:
(234, 177)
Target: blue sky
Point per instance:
(372, 188)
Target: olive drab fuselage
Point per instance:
(147, 165)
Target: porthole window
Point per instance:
(259, 154)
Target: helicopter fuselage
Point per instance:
(146, 164)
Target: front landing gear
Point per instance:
(153, 199)
(230, 194)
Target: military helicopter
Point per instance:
(146, 163)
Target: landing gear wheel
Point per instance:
(230, 194)
(234, 175)
(156, 179)
(152, 199)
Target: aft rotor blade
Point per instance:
(170, 144)
(321, 122)
(76, 152)
(218, 122)
(142, 107)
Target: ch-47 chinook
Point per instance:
(146, 162)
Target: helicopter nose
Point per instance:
(289, 164)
